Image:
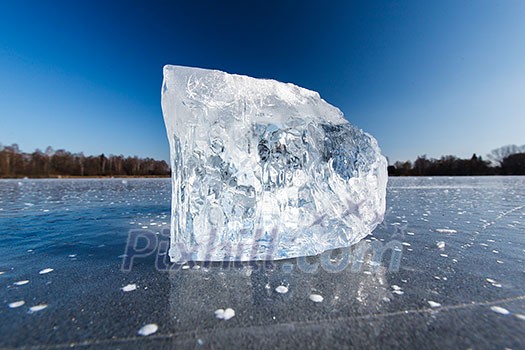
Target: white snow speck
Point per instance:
(398, 292)
(396, 287)
(72, 255)
(445, 230)
(224, 314)
(433, 303)
(16, 304)
(47, 270)
(444, 255)
(316, 298)
(129, 287)
(440, 245)
(148, 329)
(494, 283)
(500, 310)
(21, 283)
(219, 313)
(520, 316)
(281, 289)
(406, 244)
(2, 272)
(228, 313)
(38, 307)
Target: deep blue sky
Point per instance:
(424, 77)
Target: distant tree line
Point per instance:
(51, 163)
(507, 160)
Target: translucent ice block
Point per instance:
(264, 170)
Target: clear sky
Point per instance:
(424, 77)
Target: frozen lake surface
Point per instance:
(457, 278)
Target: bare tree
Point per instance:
(497, 155)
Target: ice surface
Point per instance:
(264, 170)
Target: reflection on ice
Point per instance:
(272, 294)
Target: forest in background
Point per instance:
(61, 163)
(506, 160)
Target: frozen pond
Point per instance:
(452, 273)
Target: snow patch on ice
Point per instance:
(433, 304)
(493, 282)
(16, 304)
(129, 288)
(37, 308)
(316, 298)
(281, 289)
(445, 230)
(500, 310)
(224, 314)
(148, 329)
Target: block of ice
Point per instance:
(264, 170)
